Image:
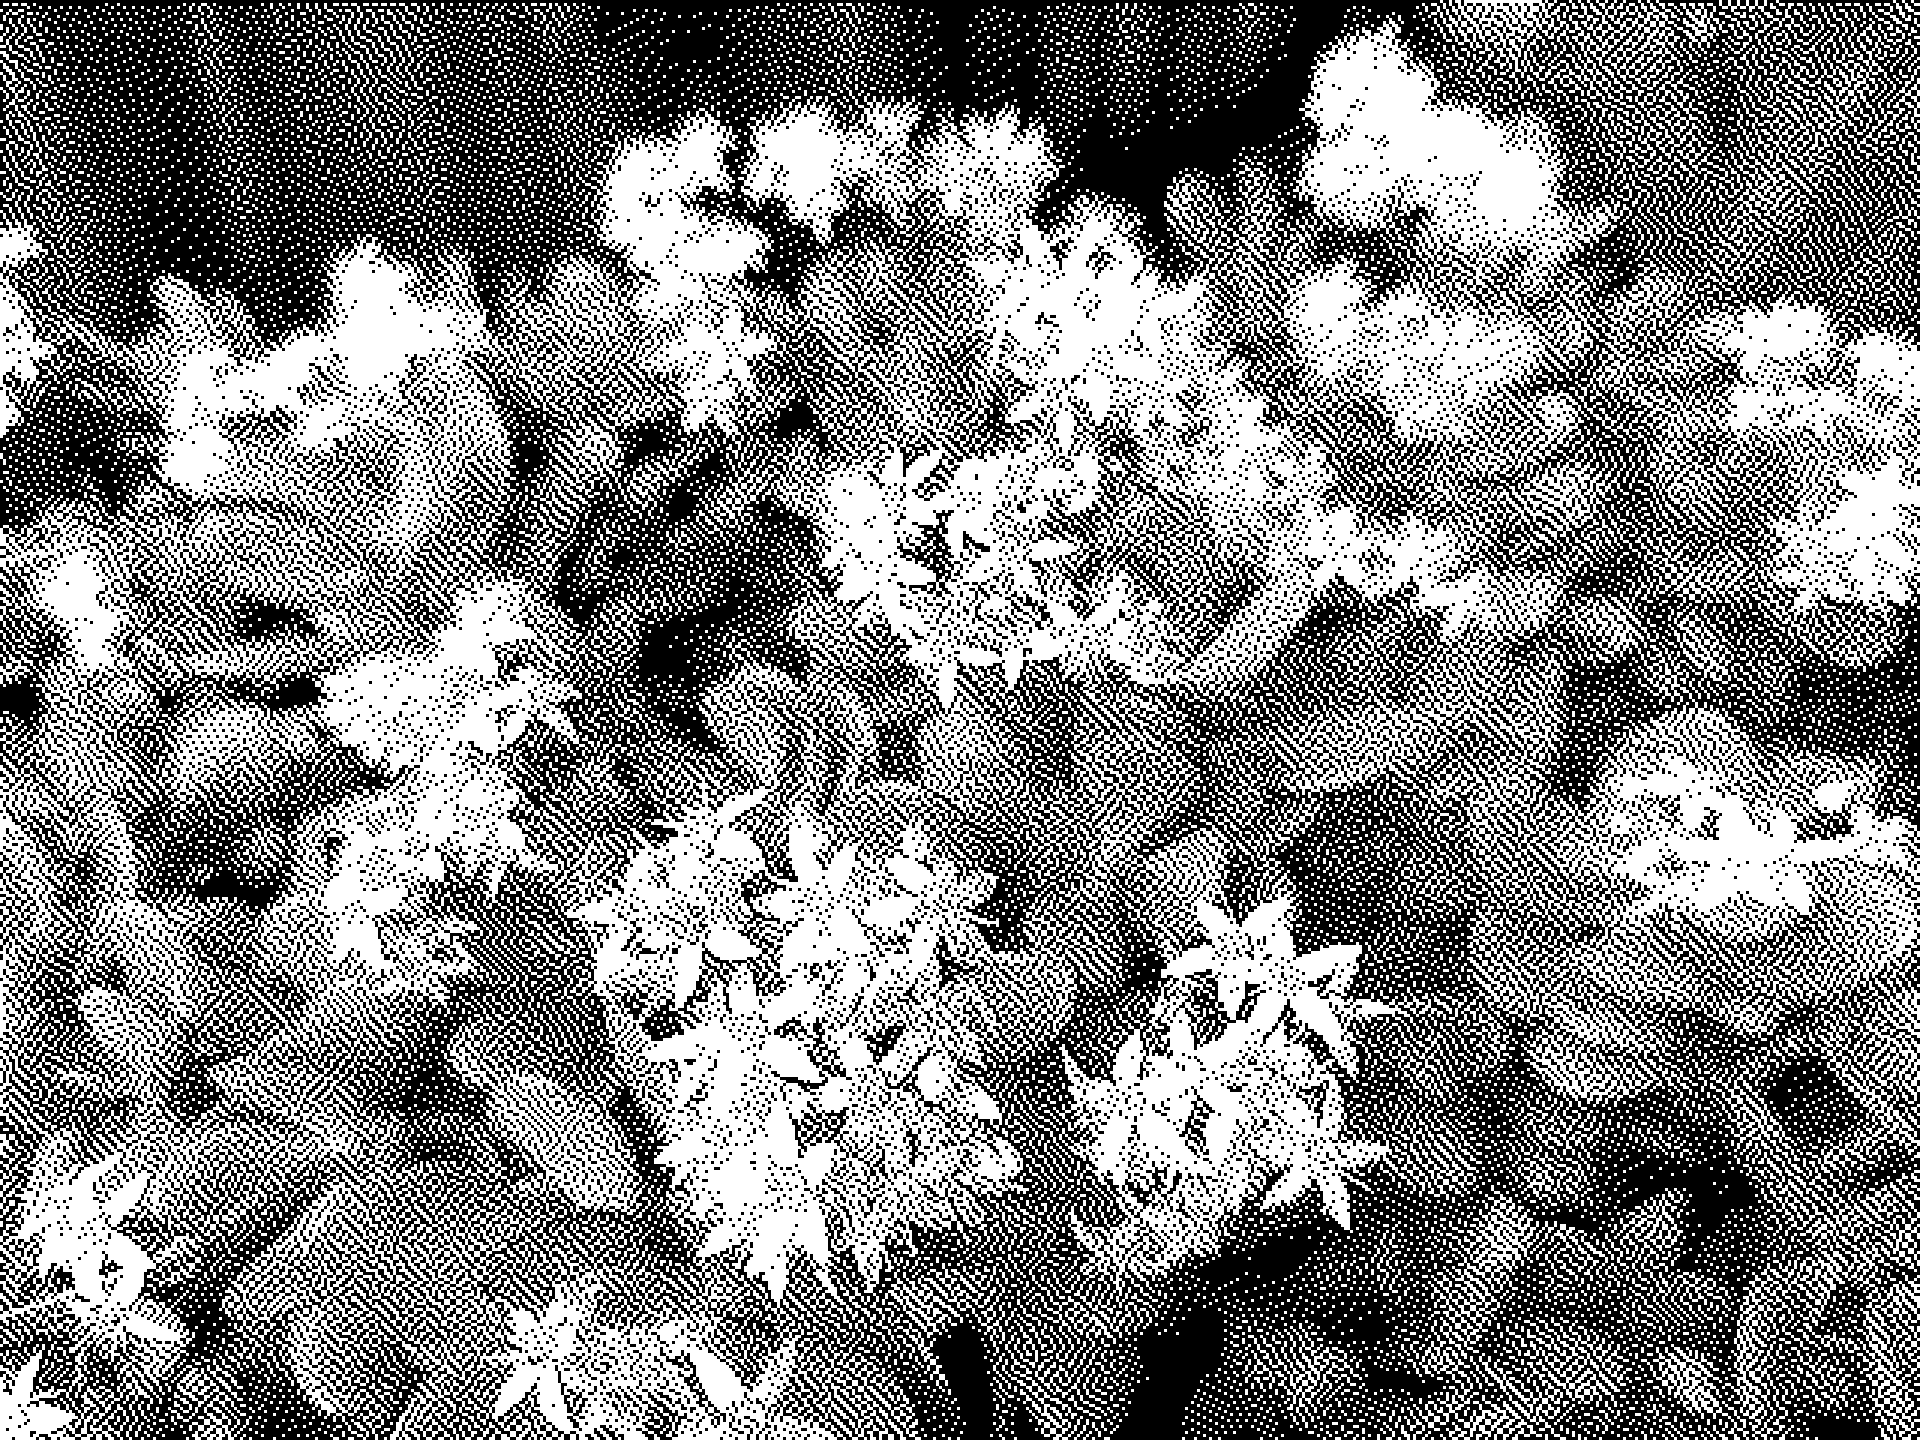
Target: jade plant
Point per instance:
(1281, 738)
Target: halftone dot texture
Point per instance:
(244, 146)
(1526, 1230)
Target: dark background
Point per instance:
(244, 146)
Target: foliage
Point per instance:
(1350, 708)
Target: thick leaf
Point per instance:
(1778, 1315)
(1853, 637)
(1435, 1043)
(148, 1047)
(1554, 1146)
(522, 938)
(562, 1037)
(836, 750)
(1082, 925)
(1692, 1381)
(643, 1278)
(1074, 1384)
(1600, 1017)
(1342, 748)
(1679, 1307)
(1136, 769)
(1871, 1042)
(53, 1073)
(1164, 890)
(341, 1375)
(1567, 1362)
(1660, 960)
(1435, 1144)
(875, 817)
(755, 714)
(966, 755)
(1706, 738)
(1893, 1378)
(1336, 750)
(220, 1164)
(1469, 1289)
(1513, 963)
(99, 739)
(1529, 728)
(1559, 1274)
(1581, 1070)
(1540, 854)
(849, 1394)
(210, 1396)
(26, 888)
(396, 1255)
(1866, 921)
(1026, 1001)
(1252, 637)
(570, 1138)
(457, 1403)
(372, 1045)
(1646, 1241)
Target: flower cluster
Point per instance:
(662, 208)
(1829, 432)
(1738, 866)
(1192, 1130)
(21, 349)
(1388, 150)
(441, 722)
(973, 570)
(318, 387)
(1436, 364)
(75, 1223)
(824, 1055)
(639, 1381)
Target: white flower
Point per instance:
(802, 160)
(819, 906)
(77, 1223)
(1157, 1236)
(1369, 81)
(1435, 370)
(1786, 342)
(71, 593)
(541, 1345)
(1354, 178)
(880, 153)
(670, 911)
(18, 245)
(21, 351)
(1258, 956)
(112, 1311)
(375, 872)
(1700, 850)
(742, 1413)
(1886, 366)
(720, 1056)
(378, 327)
(936, 903)
(1308, 1150)
(1324, 320)
(945, 629)
(23, 1411)
(1486, 186)
(654, 169)
(712, 359)
(989, 172)
(1863, 549)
